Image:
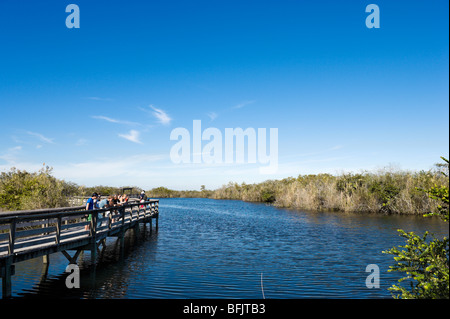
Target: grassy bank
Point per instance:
(382, 192)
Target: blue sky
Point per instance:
(98, 103)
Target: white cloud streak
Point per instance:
(161, 115)
(212, 115)
(111, 120)
(41, 137)
(242, 104)
(132, 136)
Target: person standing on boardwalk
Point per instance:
(142, 198)
(91, 204)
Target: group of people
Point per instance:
(96, 202)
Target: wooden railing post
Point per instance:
(93, 228)
(93, 233)
(58, 229)
(12, 236)
(122, 232)
(7, 271)
(157, 214)
(110, 219)
(8, 268)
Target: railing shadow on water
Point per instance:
(94, 278)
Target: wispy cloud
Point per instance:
(212, 115)
(105, 118)
(316, 153)
(133, 136)
(104, 170)
(111, 120)
(41, 137)
(81, 142)
(11, 153)
(161, 115)
(132, 170)
(242, 104)
(337, 147)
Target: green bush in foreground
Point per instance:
(425, 263)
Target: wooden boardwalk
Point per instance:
(29, 234)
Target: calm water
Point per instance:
(222, 249)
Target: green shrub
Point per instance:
(268, 196)
(21, 190)
(425, 263)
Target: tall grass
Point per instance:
(385, 191)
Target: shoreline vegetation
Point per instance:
(386, 191)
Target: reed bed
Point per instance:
(384, 191)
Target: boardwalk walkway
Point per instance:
(29, 234)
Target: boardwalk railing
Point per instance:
(30, 234)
